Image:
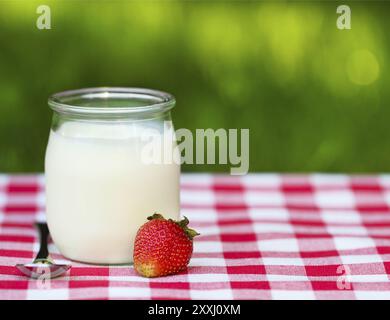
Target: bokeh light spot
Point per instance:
(362, 67)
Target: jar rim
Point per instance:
(108, 101)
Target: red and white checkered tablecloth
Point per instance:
(263, 236)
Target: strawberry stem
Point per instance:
(191, 233)
(156, 216)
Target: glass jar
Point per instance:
(103, 179)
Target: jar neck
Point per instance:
(111, 102)
(60, 118)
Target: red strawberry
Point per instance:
(162, 246)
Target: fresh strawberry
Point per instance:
(162, 246)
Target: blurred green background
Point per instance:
(315, 98)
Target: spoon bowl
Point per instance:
(42, 270)
(43, 267)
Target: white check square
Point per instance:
(345, 243)
(262, 180)
(207, 246)
(292, 295)
(334, 198)
(205, 197)
(273, 198)
(279, 245)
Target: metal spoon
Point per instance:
(43, 267)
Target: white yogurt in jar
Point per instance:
(100, 190)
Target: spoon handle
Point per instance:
(43, 254)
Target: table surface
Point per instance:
(263, 236)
